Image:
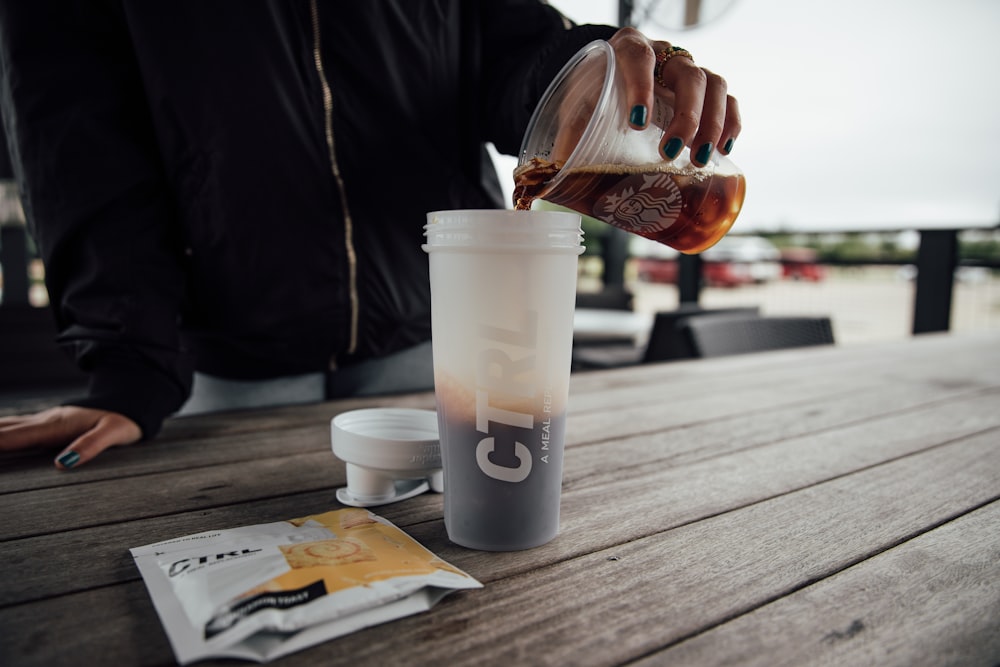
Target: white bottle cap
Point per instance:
(391, 454)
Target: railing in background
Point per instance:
(936, 262)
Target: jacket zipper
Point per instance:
(352, 259)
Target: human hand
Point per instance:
(705, 116)
(87, 431)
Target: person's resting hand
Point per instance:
(705, 115)
(86, 431)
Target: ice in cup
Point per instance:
(503, 291)
(580, 152)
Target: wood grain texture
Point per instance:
(820, 506)
(639, 596)
(931, 600)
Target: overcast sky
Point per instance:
(856, 113)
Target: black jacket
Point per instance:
(240, 186)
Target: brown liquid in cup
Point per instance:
(689, 210)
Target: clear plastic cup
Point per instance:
(580, 152)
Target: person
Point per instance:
(233, 194)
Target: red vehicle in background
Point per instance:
(733, 261)
(713, 274)
(800, 264)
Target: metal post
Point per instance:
(615, 254)
(625, 12)
(689, 277)
(937, 258)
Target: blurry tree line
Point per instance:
(974, 246)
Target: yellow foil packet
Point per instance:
(260, 592)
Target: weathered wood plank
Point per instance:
(254, 433)
(932, 600)
(689, 492)
(310, 434)
(62, 508)
(693, 473)
(45, 511)
(610, 402)
(750, 418)
(165, 456)
(838, 435)
(108, 626)
(622, 506)
(679, 473)
(627, 601)
(690, 399)
(98, 556)
(202, 440)
(937, 352)
(684, 580)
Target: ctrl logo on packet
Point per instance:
(230, 615)
(185, 564)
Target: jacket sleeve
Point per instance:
(525, 44)
(97, 201)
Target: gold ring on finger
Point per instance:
(666, 54)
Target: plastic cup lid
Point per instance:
(391, 454)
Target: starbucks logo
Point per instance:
(642, 203)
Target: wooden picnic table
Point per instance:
(836, 506)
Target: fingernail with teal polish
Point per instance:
(69, 459)
(673, 148)
(638, 115)
(728, 148)
(704, 152)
